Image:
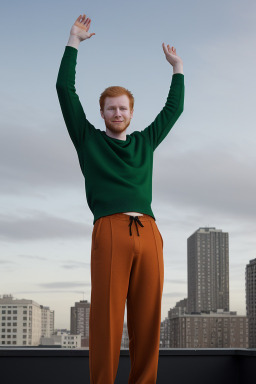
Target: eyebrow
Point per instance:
(121, 106)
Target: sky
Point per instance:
(204, 170)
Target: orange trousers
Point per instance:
(126, 264)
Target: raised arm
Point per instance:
(174, 106)
(78, 126)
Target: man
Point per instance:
(125, 264)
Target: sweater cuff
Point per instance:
(178, 78)
(71, 50)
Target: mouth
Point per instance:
(117, 121)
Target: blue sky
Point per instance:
(203, 171)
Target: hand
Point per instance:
(81, 27)
(171, 56)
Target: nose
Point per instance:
(117, 112)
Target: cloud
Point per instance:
(74, 264)
(209, 180)
(7, 262)
(33, 257)
(64, 284)
(32, 159)
(40, 225)
(30, 292)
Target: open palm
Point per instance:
(171, 56)
(81, 28)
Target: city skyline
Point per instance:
(201, 320)
(203, 170)
(222, 238)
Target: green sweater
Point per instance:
(117, 173)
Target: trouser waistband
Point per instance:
(131, 219)
(123, 216)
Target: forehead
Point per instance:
(117, 101)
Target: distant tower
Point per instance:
(47, 321)
(208, 270)
(250, 277)
(79, 320)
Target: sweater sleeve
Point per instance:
(165, 120)
(79, 128)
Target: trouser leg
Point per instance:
(144, 304)
(111, 258)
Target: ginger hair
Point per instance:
(115, 91)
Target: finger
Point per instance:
(78, 19)
(87, 26)
(87, 22)
(83, 18)
(172, 49)
(164, 48)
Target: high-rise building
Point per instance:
(20, 322)
(179, 309)
(250, 278)
(47, 321)
(208, 270)
(79, 324)
(219, 329)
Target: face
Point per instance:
(117, 113)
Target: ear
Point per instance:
(102, 114)
(131, 113)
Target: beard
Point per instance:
(114, 128)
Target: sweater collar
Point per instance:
(118, 141)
